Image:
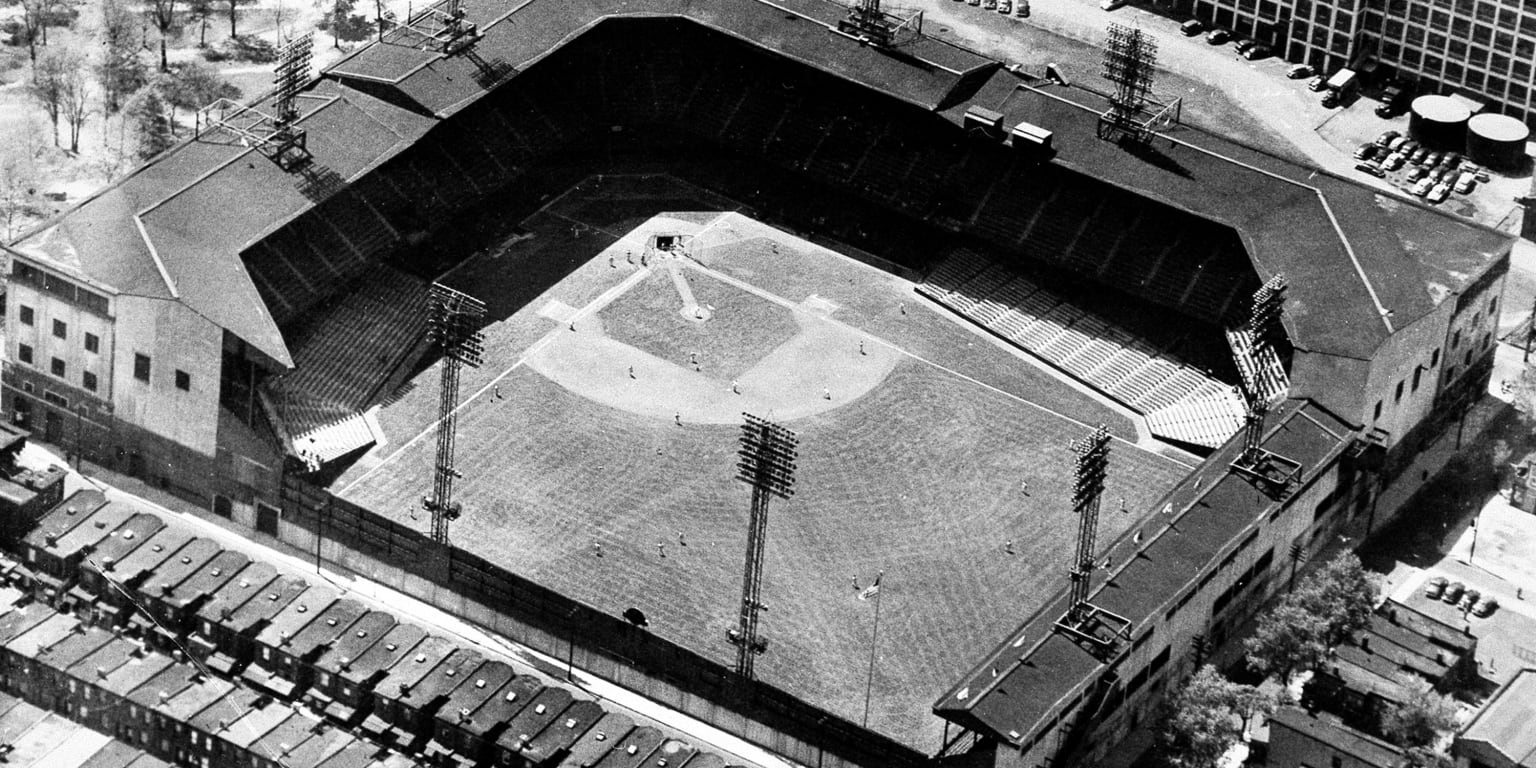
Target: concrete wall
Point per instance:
(175, 339)
(1405, 375)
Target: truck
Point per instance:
(1343, 84)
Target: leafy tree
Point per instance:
(1424, 757)
(1419, 721)
(152, 125)
(345, 25)
(1342, 592)
(195, 85)
(1287, 638)
(1204, 719)
(120, 71)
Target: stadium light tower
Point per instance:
(1255, 349)
(767, 463)
(1094, 628)
(277, 135)
(453, 324)
(1130, 62)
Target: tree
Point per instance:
(1342, 592)
(162, 14)
(152, 125)
(33, 24)
(1287, 638)
(233, 6)
(18, 189)
(345, 25)
(195, 85)
(201, 10)
(72, 94)
(47, 86)
(1204, 719)
(120, 71)
(1419, 721)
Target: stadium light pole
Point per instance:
(766, 461)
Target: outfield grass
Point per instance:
(919, 476)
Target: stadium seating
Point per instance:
(1101, 354)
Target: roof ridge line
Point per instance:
(170, 284)
(1381, 309)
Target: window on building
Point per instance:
(56, 367)
(1434, 357)
(141, 367)
(89, 380)
(1493, 307)
(1397, 397)
(183, 381)
(1418, 373)
(25, 314)
(24, 353)
(60, 329)
(1377, 414)
(92, 342)
(1455, 339)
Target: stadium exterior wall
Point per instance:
(1242, 577)
(357, 540)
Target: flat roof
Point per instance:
(305, 607)
(64, 516)
(564, 732)
(101, 524)
(76, 646)
(409, 670)
(502, 706)
(35, 641)
(268, 602)
(95, 668)
(446, 676)
(474, 689)
(371, 628)
(332, 623)
(113, 754)
(208, 580)
(164, 578)
(125, 539)
(248, 583)
(599, 739)
(324, 740)
(55, 742)
(257, 722)
(1504, 723)
(220, 713)
(133, 672)
(200, 695)
(381, 657)
(18, 621)
(161, 688)
(543, 710)
(147, 557)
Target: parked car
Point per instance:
(1453, 159)
(1330, 100)
(1434, 587)
(1422, 187)
(1192, 27)
(1417, 158)
(1415, 173)
(1365, 151)
(1299, 71)
(1110, 5)
(1371, 168)
(1260, 51)
(1005, 7)
(1385, 139)
(1486, 607)
(1217, 36)
(1317, 84)
(1398, 143)
(1022, 9)
(1433, 159)
(1469, 599)
(1438, 193)
(1453, 592)
(1393, 162)
(990, 5)
(1409, 147)
(1244, 44)
(1465, 183)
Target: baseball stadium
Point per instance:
(939, 272)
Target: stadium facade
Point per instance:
(1481, 48)
(162, 327)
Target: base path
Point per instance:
(820, 368)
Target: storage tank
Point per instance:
(1439, 122)
(1497, 141)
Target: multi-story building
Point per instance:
(1483, 48)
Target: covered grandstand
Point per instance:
(1120, 265)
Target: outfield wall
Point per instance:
(352, 538)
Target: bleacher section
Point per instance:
(344, 359)
(1181, 402)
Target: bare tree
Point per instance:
(47, 87)
(18, 189)
(120, 71)
(72, 95)
(162, 14)
(34, 15)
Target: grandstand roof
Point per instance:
(1036, 672)
(925, 71)
(1340, 245)
(174, 228)
(1504, 723)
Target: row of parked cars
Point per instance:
(1251, 50)
(1460, 595)
(1434, 175)
(1005, 7)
